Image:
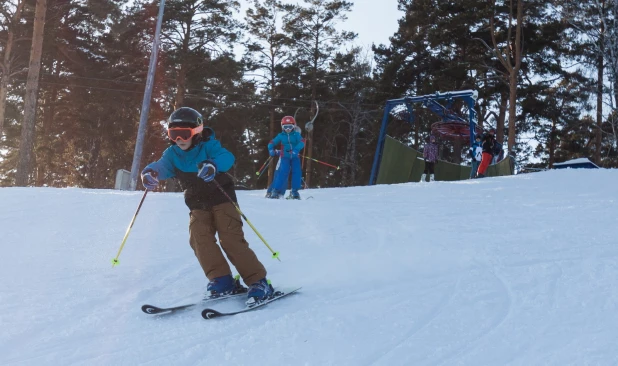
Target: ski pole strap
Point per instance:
(275, 254)
(126, 235)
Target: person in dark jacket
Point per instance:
(200, 163)
(430, 154)
(488, 152)
(498, 152)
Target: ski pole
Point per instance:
(264, 168)
(259, 172)
(320, 162)
(275, 254)
(126, 235)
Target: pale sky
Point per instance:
(373, 20)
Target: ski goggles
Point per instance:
(183, 133)
(288, 127)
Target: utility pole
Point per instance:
(143, 120)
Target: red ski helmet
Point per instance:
(288, 120)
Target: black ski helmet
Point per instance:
(185, 117)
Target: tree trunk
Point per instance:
(514, 54)
(552, 143)
(271, 167)
(353, 165)
(417, 127)
(598, 140)
(600, 69)
(349, 177)
(314, 87)
(93, 160)
(49, 111)
(173, 185)
(512, 111)
(181, 78)
(501, 117)
(4, 83)
(26, 144)
(6, 63)
(271, 132)
(180, 87)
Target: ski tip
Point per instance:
(210, 314)
(150, 309)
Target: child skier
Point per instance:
(290, 143)
(430, 153)
(199, 162)
(476, 153)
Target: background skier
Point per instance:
(430, 153)
(488, 152)
(287, 145)
(476, 153)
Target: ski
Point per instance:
(154, 310)
(300, 199)
(212, 313)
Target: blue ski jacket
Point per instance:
(286, 143)
(184, 165)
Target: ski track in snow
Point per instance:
(391, 275)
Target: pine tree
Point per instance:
(267, 54)
(316, 41)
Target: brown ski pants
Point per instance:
(224, 220)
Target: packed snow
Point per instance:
(518, 270)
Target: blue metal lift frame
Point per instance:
(430, 101)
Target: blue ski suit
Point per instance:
(289, 146)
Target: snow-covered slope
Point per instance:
(516, 270)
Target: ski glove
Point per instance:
(149, 179)
(207, 171)
(294, 152)
(273, 152)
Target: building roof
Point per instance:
(576, 163)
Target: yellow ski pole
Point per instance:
(126, 235)
(275, 254)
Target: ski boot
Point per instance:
(259, 291)
(423, 178)
(294, 195)
(225, 285)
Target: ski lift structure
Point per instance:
(453, 126)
